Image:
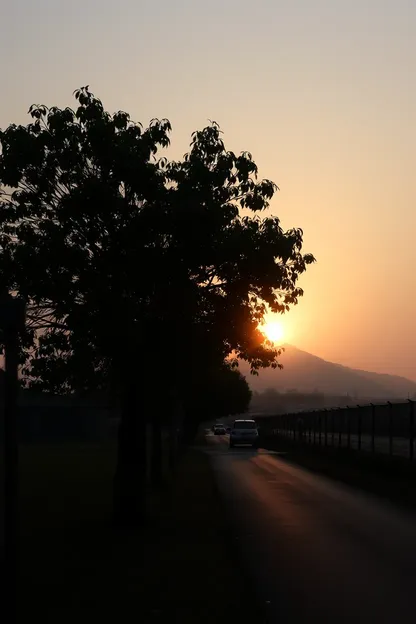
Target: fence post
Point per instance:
(333, 427)
(12, 323)
(314, 428)
(348, 414)
(320, 428)
(326, 426)
(373, 428)
(340, 428)
(411, 428)
(390, 428)
(359, 427)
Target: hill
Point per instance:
(309, 373)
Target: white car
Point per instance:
(244, 432)
(219, 430)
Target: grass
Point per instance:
(75, 567)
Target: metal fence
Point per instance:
(53, 423)
(387, 428)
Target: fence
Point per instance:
(43, 423)
(387, 428)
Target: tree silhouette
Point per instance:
(215, 393)
(124, 258)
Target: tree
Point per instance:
(215, 393)
(237, 265)
(77, 195)
(136, 256)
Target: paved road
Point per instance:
(318, 551)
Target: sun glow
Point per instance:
(273, 331)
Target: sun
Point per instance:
(273, 331)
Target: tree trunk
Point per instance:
(191, 425)
(175, 429)
(11, 485)
(173, 438)
(172, 442)
(129, 494)
(157, 455)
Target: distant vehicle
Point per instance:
(244, 432)
(219, 430)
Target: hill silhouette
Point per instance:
(309, 373)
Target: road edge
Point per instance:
(236, 553)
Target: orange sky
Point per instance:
(321, 92)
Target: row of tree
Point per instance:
(274, 402)
(130, 263)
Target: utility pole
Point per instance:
(12, 320)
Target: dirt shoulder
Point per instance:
(74, 567)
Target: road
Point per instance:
(317, 550)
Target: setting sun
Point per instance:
(273, 331)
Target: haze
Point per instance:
(322, 93)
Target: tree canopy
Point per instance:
(217, 393)
(125, 257)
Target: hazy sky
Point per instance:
(322, 92)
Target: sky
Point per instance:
(321, 92)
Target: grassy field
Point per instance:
(74, 567)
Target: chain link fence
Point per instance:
(387, 428)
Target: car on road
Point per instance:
(244, 432)
(219, 430)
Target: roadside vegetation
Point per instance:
(145, 281)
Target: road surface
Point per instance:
(317, 550)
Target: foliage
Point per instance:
(121, 254)
(216, 393)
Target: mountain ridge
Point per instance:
(308, 373)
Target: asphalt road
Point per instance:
(317, 550)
